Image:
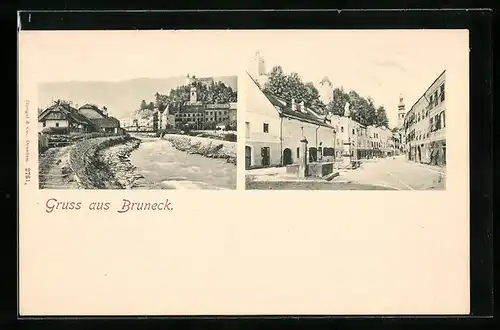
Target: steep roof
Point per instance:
(68, 111)
(93, 107)
(286, 110)
(106, 122)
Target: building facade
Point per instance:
(425, 125)
(63, 118)
(201, 116)
(274, 129)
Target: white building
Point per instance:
(425, 125)
(275, 127)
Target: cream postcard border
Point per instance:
(249, 252)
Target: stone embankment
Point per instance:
(205, 147)
(102, 163)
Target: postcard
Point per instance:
(243, 172)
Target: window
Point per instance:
(266, 128)
(443, 119)
(442, 92)
(353, 131)
(57, 124)
(44, 124)
(436, 98)
(341, 129)
(431, 102)
(298, 152)
(328, 152)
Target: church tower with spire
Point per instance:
(401, 111)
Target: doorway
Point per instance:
(313, 155)
(287, 156)
(248, 157)
(265, 154)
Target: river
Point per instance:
(168, 168)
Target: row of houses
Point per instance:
(62, 118)
(194, 113)
(424, 125)
(274, 129)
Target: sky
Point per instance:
(381, 64)
(123, 55)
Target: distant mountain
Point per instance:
(121, 98)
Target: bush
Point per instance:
(55, 130)
(164, 131)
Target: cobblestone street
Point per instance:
(396, 173)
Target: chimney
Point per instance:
(294, 107)
(302, 107)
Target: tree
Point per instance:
(381, 117)
(312, 95)
(151, 106)
(336, 106)
(180, 94)
(143, 105)
(362, 109)
(371, 111)
(291, 86)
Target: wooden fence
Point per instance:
(43, 143)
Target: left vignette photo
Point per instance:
(171, 125)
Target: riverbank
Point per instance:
(205, 147)
(102, 163)
(117, 160)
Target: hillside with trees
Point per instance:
(217, 92)
(290, 86)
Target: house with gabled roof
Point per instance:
(92, 111)
(100, 118)
(274, 128)
(63, 118)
